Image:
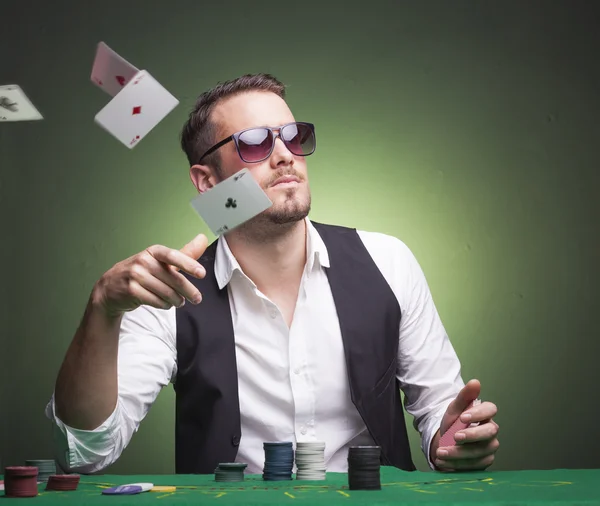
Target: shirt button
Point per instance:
(297, 370)
(273, 314)
(303, 430)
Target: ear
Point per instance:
(202, 177)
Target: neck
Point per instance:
(273, 257)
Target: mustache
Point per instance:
(284, 173)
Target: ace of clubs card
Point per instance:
(231, 202)
(15, 106)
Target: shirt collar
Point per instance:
(226, 264)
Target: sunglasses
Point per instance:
(256, 144)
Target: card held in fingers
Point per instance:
(15, 106)
(447, 438)
(136, 109)
(111, 72)
(231, 202)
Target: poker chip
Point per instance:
(230, 471)
(279, 460)
(46, 468)
(63, 482)
(310, 461)
(163, 488)
(20, 481)
(363, 467)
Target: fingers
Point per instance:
(468, 394)
(143, 296)
(477, 464)
(175, 258)
(468, 452)
(482, 413)
(178, 283)
(472, 457)
(196, 247)
(163, 281)
(482, 432)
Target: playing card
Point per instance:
(136, 109)
(231, 202)
(15, 106)
(447, 438)
(110, 71)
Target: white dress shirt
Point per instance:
(292, 381)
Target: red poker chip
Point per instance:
(65, 477)
(63, 482)
(20, 471)
(20, 485)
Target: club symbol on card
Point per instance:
(137, 110)
(6, 104)
(238, 176)
(231, 203)
(120, 80)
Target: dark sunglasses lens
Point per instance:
(255, 144)
(299, 138)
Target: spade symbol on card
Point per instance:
(239, 175)
(231, 203)
(6, 104)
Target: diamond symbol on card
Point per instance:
(137, 110)
(120, 80)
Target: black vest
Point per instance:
(207, 421)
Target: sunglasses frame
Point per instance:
(235, 138)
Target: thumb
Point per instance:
(465, 397)
(196, 247)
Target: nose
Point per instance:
(281, 154)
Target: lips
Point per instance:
(286, 179)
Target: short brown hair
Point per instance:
(198, 134)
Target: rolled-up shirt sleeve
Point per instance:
(146, 363)
(429, 371)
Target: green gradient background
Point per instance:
(467, 129)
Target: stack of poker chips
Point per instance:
(46, 468)
(279, 461)
(363, 467)
(20, 481)
(310, 461)
(63, 482)
(230, 471)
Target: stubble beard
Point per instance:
(276, 220)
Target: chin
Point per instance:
(289, 211)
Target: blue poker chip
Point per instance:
(279, 460)
(123, 490)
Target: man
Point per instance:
(294, 330)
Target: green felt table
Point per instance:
(547, 488)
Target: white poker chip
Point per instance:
(310, 460)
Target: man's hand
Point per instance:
(475, 446)
(152, 278)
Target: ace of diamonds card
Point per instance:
(136, 109)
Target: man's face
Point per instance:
(291, 200)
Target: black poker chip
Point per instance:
(230, 471)
(279, 461)
(364, 464)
